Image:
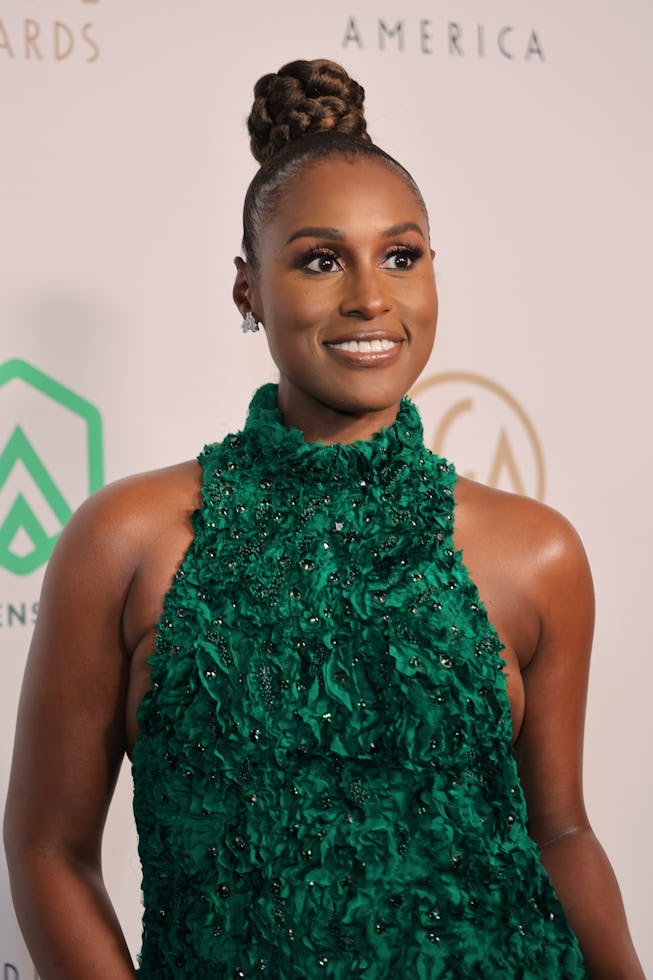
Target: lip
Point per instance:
(372, 354)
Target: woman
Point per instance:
(322, 740)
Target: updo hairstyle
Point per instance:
(307, 111)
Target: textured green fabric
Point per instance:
(324, 782)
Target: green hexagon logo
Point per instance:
(51, 458)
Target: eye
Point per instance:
(320, 260)
(401, 258)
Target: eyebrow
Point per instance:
(336, 235)
(315, 232)
(401, 228)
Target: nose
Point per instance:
(365, 295)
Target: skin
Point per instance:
(371, 279)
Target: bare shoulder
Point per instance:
(120, 520)
(528, 562)
(522, 528)
(123, 543)
(142, 498)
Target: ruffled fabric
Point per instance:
(324, 782)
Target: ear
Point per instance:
(244, 288)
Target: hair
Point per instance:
(305, 112)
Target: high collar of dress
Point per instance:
(389, 449)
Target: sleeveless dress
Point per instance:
(324, 783)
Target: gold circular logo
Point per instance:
(483, 429)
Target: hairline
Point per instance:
(288, 163)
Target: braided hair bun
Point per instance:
(304, 97)
(306, 112)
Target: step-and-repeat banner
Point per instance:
(123, 166)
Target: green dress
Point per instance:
(324, 784)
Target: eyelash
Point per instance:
(318, 252)
(411, 252)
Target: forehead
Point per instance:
(347, 193)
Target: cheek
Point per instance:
(314, 301)
(426, 321)
(291, 345)
(421, 303)
(435, 310)
(431, 298)
(298, 308)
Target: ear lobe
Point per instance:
(242, 291)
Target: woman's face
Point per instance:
(346, 293)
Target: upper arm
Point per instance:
(534, 579)
(70, 730)
(550, 744)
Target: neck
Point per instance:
(323, 423)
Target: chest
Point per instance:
(340, 621)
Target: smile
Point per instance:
(365, 346)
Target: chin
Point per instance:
(366, 402)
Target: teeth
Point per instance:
(365, 346)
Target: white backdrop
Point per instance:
(124, 161)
